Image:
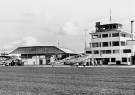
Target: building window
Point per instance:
(115, 34)
(114, 27)
(116, 51)
(89, 52)
(108, 51)
(115, 43)
(105, 44)
(113, 59)
(96, 52)
(127, 51)
(124, 59)
(123, 43)
(123, 35)
(103, 51)
(96, 36)
(126, 35)
(104, 35)
(95, 44)
(106, 27)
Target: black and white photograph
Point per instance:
(67, 47)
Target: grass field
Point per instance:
(67, 81)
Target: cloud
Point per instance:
(71, 28)
(26, 41)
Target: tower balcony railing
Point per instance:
(106, 30)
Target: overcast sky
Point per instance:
(47, 22)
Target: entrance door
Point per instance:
(40, 62)
(133, 60)
(118, 62)
(105, 61)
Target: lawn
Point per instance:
(67, 81)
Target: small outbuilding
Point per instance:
(41, 55)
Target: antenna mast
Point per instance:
(132, 29)
(85, 40)
(85, 46)
(110, 16)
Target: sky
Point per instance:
(49, 22)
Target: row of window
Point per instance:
(111, 35)
(108, 51)
(106, 44)
(124, 59)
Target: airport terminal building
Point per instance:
(41, 55)
(112, 45)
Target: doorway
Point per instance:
(40, 62)
(118, 62)
(133, 60)
(106, 61)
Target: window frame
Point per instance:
(95, 51)
(107, 45)
(113, 59)
(116, 51)
(124, 59)
(108, 51)
(122, 43)
(103, 35)
(114, 43)
(115, 34)
(126, 51)
(89, 52)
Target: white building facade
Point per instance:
(110, 45)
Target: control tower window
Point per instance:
(95, 44)
(115, 34)
(116, 51)
(108, 51)
(123, 43)
(127, 51)
(104, 35)
(115, 43)
(114, 26)
(106, 27)
(95, 36)
(113, 59)
(105, 44)
(89, 52)
(124, 59)
(123, 35)
(96, 52)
